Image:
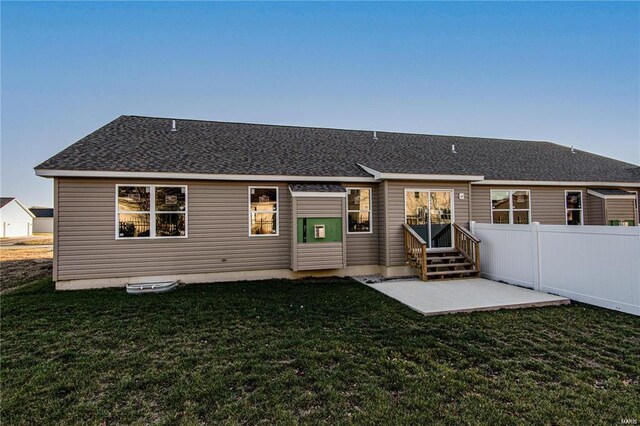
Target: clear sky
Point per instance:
(564, 72)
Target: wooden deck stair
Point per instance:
(460, 262)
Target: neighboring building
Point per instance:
(43, 220)
(15, 219)
(156, 199)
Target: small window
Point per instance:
(151, 211)
(510, 206)
(573, 206)
(359, 210)
(263, 211)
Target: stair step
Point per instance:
(447, 265)
(429, 259)
(442, 253)
(465, 271)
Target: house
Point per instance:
(15, 219)
(144, 199)
(43, 220)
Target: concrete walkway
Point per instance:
(466, 295)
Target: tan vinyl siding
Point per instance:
(396, 218)
(620, 209)
(382, 223)
(218, 227)
(595, 206)
(319, 206)
(316, 256)
(547, 203)
(362, 248)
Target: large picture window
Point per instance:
(510, 206)
(151, 211)
(263, 211)
(573, 206)
(359, 210)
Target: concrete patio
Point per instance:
(464, 295)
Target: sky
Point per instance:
(562, 72)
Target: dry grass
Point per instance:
(38, 242)
(19, 266)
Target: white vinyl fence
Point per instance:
(599, 265)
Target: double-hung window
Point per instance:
(151, 211)
(573, 206)
(510, 206)
(359, 210)
(263, 211)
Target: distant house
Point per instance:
(159, 199)
(43, 220)
(15, 219)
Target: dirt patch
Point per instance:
(38, 242)
(19, 266)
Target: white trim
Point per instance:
(317, 194)
(370, 211)
(566, 209)
(413, 176)
(453, 213)
(511, 209)
(610, 197)
(277, 234)
(152, 213)
(376, 176)
(553, 183)
(197, 176)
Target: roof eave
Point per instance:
(554, 183)
(52, 173)
(418, 176)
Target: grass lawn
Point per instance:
(325, 351)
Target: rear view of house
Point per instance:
(16, 220)
(145, 199)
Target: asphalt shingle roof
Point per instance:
(145, 144)
(316, 187)
(5, 200)
(42, 211)
(611, 191)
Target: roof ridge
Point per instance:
(341, 129)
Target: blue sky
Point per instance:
(564, 72)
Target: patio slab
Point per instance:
(464, 295)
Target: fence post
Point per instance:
(535, 249)
(472, 226)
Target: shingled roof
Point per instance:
(145, 144)
(6, 200)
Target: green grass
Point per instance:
(325, 351)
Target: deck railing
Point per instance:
(415, 249)
(467, 245)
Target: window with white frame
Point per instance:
(573, 207)
(510, 206)
(359, 208)
(151, 211)
(263, 211)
